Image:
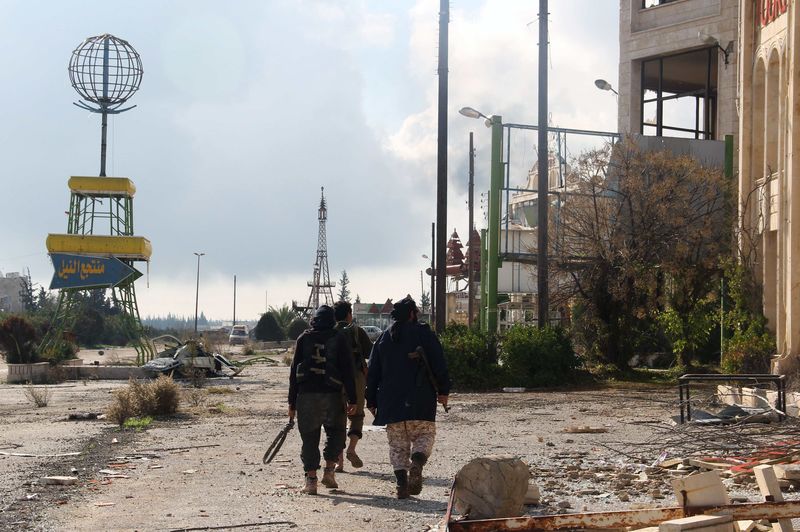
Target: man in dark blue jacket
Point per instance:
(407, 376)
(322, 367)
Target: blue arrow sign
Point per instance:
(84, 271)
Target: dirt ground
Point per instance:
(204, 468)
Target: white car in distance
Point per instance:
(239, 335)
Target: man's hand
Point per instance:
(351, 409)
(292, 412)
(443, 400)
(373, 410)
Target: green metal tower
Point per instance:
(99, 248)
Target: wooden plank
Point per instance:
(768, 485)
(705, 464)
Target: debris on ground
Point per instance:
(61, 481)
(491, 486)
(703, 505)
(585, 430)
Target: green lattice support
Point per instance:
(84, 211)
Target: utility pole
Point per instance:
(544, 173)
(197, 292)
(234, 300)
(470, 201)
(441, 170)
(493, 246)
(433, 272)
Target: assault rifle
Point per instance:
(419, 354)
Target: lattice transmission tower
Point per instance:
(321, 286)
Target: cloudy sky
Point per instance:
(247, 108)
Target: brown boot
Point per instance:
(418, 460)
(328, 478)
(340, 463)
(354, 459)
(402, 483)
(311, 486)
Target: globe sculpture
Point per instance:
(106, 71)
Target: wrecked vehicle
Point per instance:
(191, 359)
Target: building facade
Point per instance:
(704, 69)
(770, 107)
(12, 286)
(678, 68)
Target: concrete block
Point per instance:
(111, 372)
(787, 471)
(21, 373)
(704, 489)
(729, 395)
(754, 397)
(704, 523)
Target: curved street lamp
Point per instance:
(603, 85)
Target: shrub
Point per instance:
(268, 329)
(18, 340)
(296, 328)
(471, 358)
(748, 351)
(536, 357)
(39, 396)
(160, 397)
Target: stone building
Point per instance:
(704, 69)
(678, 66)
(769, 106)
(12, 286)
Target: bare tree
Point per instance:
(642, 231)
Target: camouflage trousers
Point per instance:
(407, 438)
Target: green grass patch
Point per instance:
(137, 423)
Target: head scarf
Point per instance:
(323, 318)
(401, 314)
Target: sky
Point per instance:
(248, 107)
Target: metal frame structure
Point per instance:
(704, 125)
(561, 134)
(85, 209)
(105, 71)
(321, 286)
(684, 382)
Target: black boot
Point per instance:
(418, 460)
(402, 483)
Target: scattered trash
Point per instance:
(585, 430)
(514, 390)
(62, 481)
(85, 416)
(189, 471)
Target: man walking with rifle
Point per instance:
(407, 376)
(322, 367)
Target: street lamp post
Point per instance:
(493, 248)
(197, 292)
(432, 272)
